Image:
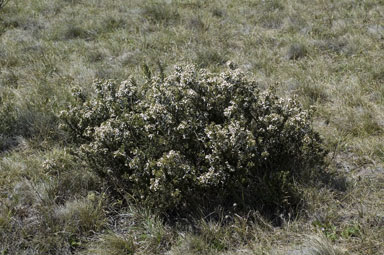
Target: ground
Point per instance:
(328, 54)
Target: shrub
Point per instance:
(196, 138)
(3, 3)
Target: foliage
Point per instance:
(196, 137)
(3, 3)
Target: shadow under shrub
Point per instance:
(196, 140)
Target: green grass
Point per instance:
(329, 54)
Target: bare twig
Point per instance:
(3, 3)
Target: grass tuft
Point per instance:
(51, 203)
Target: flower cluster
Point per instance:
(194, 137)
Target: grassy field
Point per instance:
(329, 54)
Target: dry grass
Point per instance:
(329, 56)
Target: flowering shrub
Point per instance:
(195, 137)
(3, 3)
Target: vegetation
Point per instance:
(194, 138)
(328, 57)
(3, 3)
